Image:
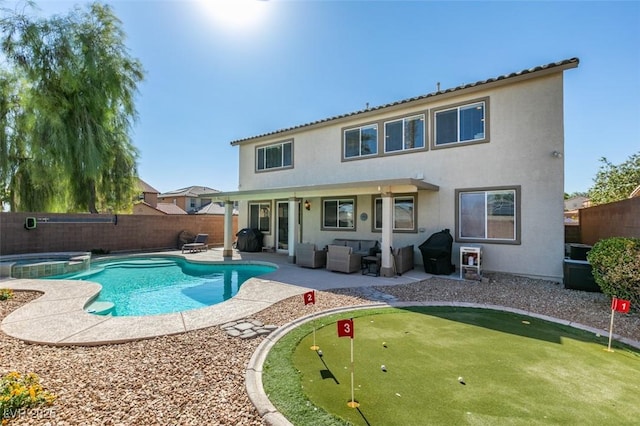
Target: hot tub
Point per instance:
(38, 265)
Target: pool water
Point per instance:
(153, 286)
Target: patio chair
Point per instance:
(309, 256)
(342, 259)
(199, 244)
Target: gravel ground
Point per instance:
(197, 378)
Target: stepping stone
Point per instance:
(233, 332)
(248, 334)
(244, 326)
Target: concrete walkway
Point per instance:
(58, 317)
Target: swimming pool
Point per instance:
(158, 285)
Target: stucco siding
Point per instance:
(525, 127)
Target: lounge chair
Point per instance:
(199, 244)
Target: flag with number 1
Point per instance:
(620, 305)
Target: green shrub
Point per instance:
(6, 293)
(616, 268)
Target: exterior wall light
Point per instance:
(557, 154)
(307, 205)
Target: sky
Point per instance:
(219, 71)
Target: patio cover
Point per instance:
(385, 187)
(393, 186)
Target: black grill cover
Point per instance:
(436, 253)
(249, 240)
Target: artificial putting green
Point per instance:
(452, 366)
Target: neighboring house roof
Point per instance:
(214, 208)
(170, 208)
(575, 203)
(573, 62)
(190, 191)
(145, 187)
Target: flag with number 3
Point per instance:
(345, 328)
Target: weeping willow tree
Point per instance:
(66, 113)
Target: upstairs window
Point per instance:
(488, 215)
(338, 214)
(276, 156)
(361, 141)
(404, 134)
(464, 123)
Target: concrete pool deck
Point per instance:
(58, 317)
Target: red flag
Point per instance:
(620, 305)
(310, 298)
(345, 328)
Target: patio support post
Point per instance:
(294, 227)
(228, 229)
(386, 266)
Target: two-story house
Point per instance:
(483, 160)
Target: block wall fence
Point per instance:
(110, 233)
(619, 219)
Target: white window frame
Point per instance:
(404, 121)
(360, 154)
(261, 151)
(485, 192)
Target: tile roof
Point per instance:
(190, 191)
(573, 61)
(214, 208)
(145, 187)
(170, 208)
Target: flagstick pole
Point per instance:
(313, 312)
(353, 399)
(611, 330)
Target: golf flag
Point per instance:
(620, 305)
(345, 328)
(310, 298)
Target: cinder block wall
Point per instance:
(619, 219)
(80, 232)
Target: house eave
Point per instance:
(535, 72)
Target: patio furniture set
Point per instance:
(348, 256)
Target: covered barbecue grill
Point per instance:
(436, 253)
(249, 240)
